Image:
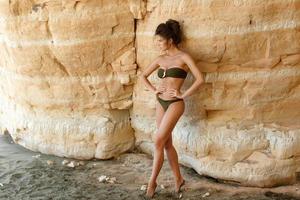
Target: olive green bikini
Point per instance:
(175, 72)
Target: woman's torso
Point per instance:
(171, 82)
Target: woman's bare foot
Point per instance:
(179, 184)
(151, 189)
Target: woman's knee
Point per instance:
(168, 144)
(159, 142)
(168, 147)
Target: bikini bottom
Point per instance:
(165, 103)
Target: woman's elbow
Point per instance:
(199, 83)
(143, 77)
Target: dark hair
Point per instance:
(170, 29)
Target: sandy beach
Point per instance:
(31, 175)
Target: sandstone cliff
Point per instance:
(69, 82)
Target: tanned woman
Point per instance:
(173, 67)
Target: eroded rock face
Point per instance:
(243, 124)
(67, 74)
(68, 82)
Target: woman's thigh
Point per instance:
(159, 113)
(169, 120)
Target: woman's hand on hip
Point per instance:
(175, 93)
(160, 89)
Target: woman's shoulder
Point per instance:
(185, 54)
(186, 57)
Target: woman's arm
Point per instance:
(196, 73)
(153, 66)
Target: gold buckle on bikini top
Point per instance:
(164, 74)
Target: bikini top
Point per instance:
(175, 72)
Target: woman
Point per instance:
(173, 68)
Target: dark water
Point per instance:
(26, 177)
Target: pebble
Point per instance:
(206, 194)
(1, 184)
(36, 156)
(81, 163)
(162, 186)
(112, 180)
(64, 162)
(50, 162)
(143, 187)
(102, 178)
(71, 164)
(180, 195)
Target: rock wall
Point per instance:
(66, 76)
(243, 123)
(69, 82)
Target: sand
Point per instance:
(25, 174)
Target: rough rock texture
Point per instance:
(66, 76)
(243, 124)
(69, 87)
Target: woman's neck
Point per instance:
(172, 52)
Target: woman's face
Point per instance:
(162, 43)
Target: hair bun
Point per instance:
(169, 30)
(173, 25)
